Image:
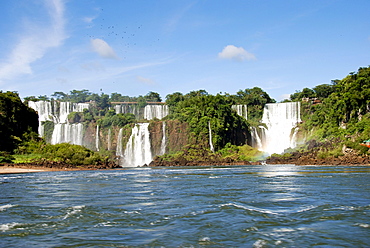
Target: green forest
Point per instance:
(335, 112)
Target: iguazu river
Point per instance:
(242, 206)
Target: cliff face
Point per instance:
(168, 136)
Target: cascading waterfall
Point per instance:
(164, 139)
(257, 137)
(280, 119)
(150, 111)
(97, 138)
(44, 110)
(155, 111)
(128, 109)
(119, 151)
(67, 133)
(138, 149)
(241, 110)
(109, 142)
(210, 137)
(63, 131)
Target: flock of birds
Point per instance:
(127, 36)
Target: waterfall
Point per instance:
(119, 152)
(241, 110)
(63, 131)
(258, 135)
(164, 139)
(210, 137)
(67, 133)
(97, 138)
(128, 109)
(149, 112)
(280, 119)
(155, 111)
(138, 150)
(45, 113)
(109, 142)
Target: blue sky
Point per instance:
(167, 46)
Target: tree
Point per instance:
(141, 102)
(153, 97)
(201, 110)
(59, 95)
(79, 95)
(255, 99)
(174, 98)
(16, 121)
(323, 90)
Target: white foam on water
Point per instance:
(8, 226)
(205, 239)
(75, 209)
(306, 209)
(259, 243)
(4, 207)
(250, 208)
(364, 225)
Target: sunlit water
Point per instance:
(248, 206)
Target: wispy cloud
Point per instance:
(35, 42)
(175, 19)
(103, 49)
(89, 19)
(236, 53)
(145, 80)
(118, 71)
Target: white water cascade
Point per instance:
(58, 113)
(149, 112)
(164, 139)
(44, 111)
(127, 109)
(97, 138)
(257, 137)
(67, 133)
(210, 137)
(109, 141)
(119, 152)
(155, 111)
(138, 148)
(280, 119)
(241, 110)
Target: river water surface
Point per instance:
(243, 206)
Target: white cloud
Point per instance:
(93, 66)
(103, 49)
(89, 19)
(145, 80)
(285, 96)
(236, 53)
(33, 45)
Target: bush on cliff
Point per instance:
(71, 154)
(240, 153)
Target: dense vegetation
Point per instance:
(336, 112)
(205, 113)
(17, 121)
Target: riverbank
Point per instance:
(347, 156)
(7, 168)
